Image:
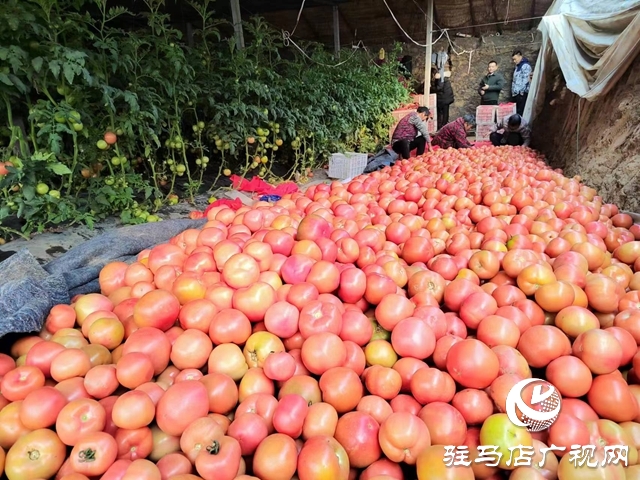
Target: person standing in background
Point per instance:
(444, 96)
(491, 85)
(521, 81)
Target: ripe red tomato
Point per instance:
(472, 364)
(357, 432)
(403, 436)
(37, 454)
(158, 309)
(323, 456)
(80, 417)
(94, 453)
(249, 429)
(181, 404)
(341, 388)
(276, 457)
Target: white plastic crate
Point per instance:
(347, 165)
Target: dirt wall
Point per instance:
(471, 65)
(605, 134)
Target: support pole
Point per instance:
(427, 60)
(336, 31)
(237, 23)
(190, 35)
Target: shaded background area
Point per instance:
(599, 143)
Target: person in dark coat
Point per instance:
(444, 96)
(521, 81)
(491, 85)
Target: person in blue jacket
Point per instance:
(521, 81)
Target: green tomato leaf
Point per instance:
(59, 169)
(36, 63)
(54, 67)
(28, 192)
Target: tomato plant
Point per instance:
(120, 124)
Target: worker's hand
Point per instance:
(485, 87)
(481, 92)
(437, 76)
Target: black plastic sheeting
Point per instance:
(28, 290)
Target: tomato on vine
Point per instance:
(110, 138)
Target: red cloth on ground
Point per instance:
(234, 204)
(257, 185)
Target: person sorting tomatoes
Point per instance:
(411, 132)
(515, 130)
(454, 134)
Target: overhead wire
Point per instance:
(360, 44)
(405, 32)
(287, 41)
(444, 32)
(298, 19)
(502, 22)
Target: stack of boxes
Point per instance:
(505, 110)
(488, 115)
(485, 121)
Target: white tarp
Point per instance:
(593, 41)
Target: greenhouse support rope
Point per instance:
(578, 133)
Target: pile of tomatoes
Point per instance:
(349, 332)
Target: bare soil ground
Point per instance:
(605, 135)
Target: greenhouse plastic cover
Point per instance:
(594, 42)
